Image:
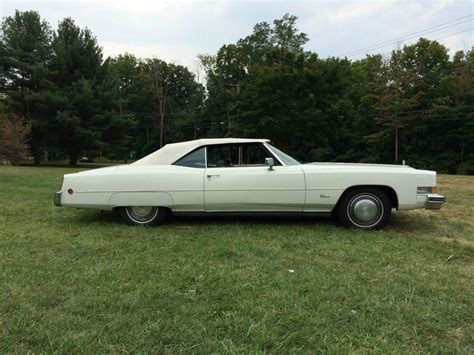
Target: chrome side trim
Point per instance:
(251, 213)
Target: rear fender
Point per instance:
(122, 199)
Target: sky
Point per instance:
(176, 31)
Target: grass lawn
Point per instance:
(82, 281)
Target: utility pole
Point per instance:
(162, 92)
(237, 90)
(396, 140)
(228, 120)
(195, 128)
(397, 93)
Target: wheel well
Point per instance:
(392, 195)
(170, 211)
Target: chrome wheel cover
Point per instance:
(141, 214)
(365, 210)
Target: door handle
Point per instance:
(209, 176)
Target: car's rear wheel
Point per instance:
(366, 208)
(144, 215)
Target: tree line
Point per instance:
(416, 105)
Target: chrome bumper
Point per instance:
(434, 201)
(57, 198)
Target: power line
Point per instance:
(435, 39)
(208, 124)
(429, 30)
(409, 38)
(415, 115)
(401, 112)
(428, 120)
(454, 34)
(395, 40)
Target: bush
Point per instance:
(466, 168)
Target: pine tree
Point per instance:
(25, 52)
(76, 68)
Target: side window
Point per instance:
(254, 154)
(234, 155)
(222, 156)
(195, 159)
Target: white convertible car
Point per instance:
(240, 176)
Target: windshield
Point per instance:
(284, 158)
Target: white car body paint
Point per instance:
(314, 187)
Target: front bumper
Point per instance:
(57, 198)
(434, 201)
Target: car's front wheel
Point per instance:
(366, 208)
(144, 215)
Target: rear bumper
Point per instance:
(434, 201)
(57, 198)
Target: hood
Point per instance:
(356, 167)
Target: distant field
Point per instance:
(82, 281)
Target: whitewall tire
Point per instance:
(365, 208)
(144, 215)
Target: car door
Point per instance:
(237, 179)
(185, 184)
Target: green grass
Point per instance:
(82, 281)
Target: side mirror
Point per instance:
(270, 163)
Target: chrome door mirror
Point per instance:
(270, 163)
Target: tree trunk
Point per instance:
(36, 156)
(161, 129)
(35, 149)
(73, 158)
(396, 142)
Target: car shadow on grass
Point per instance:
(111, 218)
(400, 223)
(403, 224)
(183, 221)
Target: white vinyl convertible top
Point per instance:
(172, 152)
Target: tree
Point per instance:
(228, 73)
(25, 52)
(451, 118)
(77, 68)
(283, 35)
(171, 97)
(13, 139)
(396, 99)
(286, 35)
(121, 86)
(160, 85)
(368, 82)
(415, 106)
